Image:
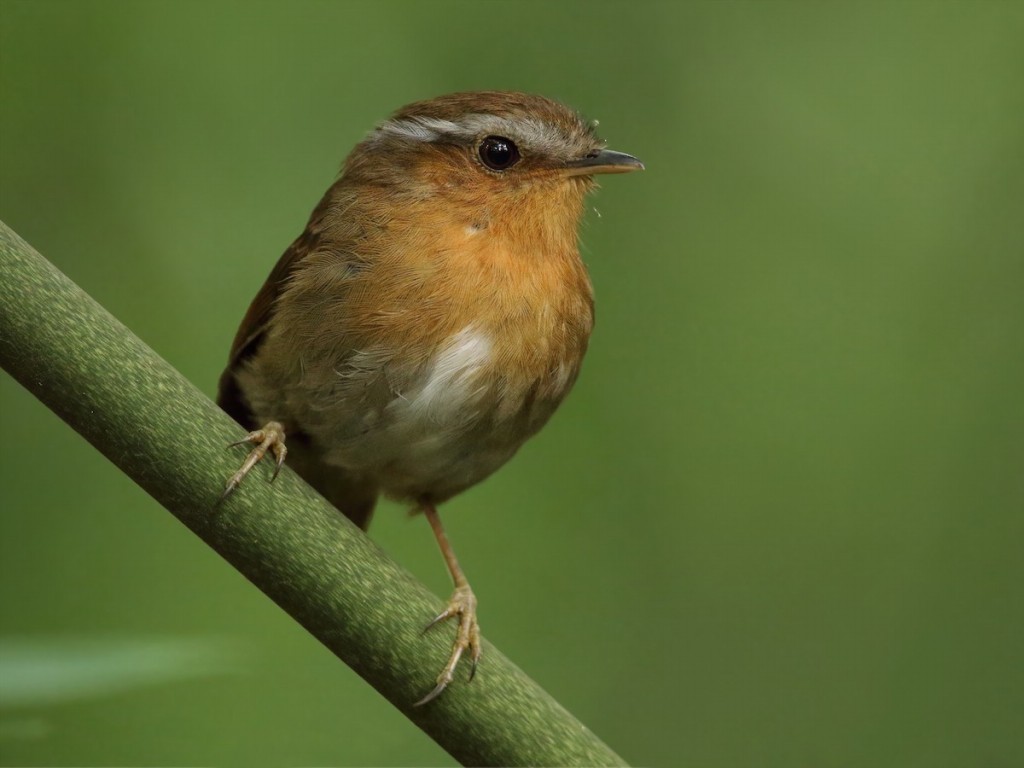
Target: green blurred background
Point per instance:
(779, 521)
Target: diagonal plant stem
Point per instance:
(287, 540)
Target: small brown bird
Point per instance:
(432, 315)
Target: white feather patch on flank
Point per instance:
(561, 377)
(450, 384)
(537, 134)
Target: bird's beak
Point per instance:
(604, 161)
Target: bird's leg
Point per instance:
(462, 604)
(270, 438)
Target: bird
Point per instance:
(431, 316)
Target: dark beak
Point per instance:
(604, 161)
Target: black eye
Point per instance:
(498, 153)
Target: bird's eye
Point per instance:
(498, 153)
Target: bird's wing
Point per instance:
(252, 331)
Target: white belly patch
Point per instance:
(424, 438)
(453, 381)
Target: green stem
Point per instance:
(170, 438)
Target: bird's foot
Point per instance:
(270, 438)
(462, 605)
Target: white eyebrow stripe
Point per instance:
(534, 133)
(424, 129)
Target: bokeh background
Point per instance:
(779, 521)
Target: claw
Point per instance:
(270, 438)
(225, 493)
(279, 452)
(442, 616)
(438, 689)
(467, 637)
